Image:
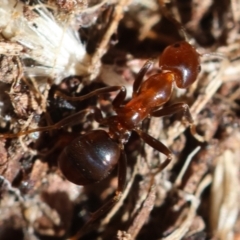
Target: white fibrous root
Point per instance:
(54, 46)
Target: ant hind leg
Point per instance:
(154, 143)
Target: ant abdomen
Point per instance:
(89, 158)
(183, 60)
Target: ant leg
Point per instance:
(122, 173)
(118, 100)
(179, 107)
(164, 11)
(91, 94)
(154, 143)
(68, 121)
(140, 75)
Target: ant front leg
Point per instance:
(118, 100)
(154, 143)
(122, 173)
(140, 76)
(179, 107)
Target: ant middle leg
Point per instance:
(179, 107)
(68, 121)
(116, 102)
(159, 146)
(79, 116)
(122, 173)
(91, 94)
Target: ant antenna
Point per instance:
(164, 11)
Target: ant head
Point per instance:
(182, 60)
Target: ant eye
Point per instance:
(176, 45)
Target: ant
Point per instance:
(91, 157)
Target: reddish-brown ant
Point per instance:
(91, 157)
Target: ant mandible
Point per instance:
(91, 157)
